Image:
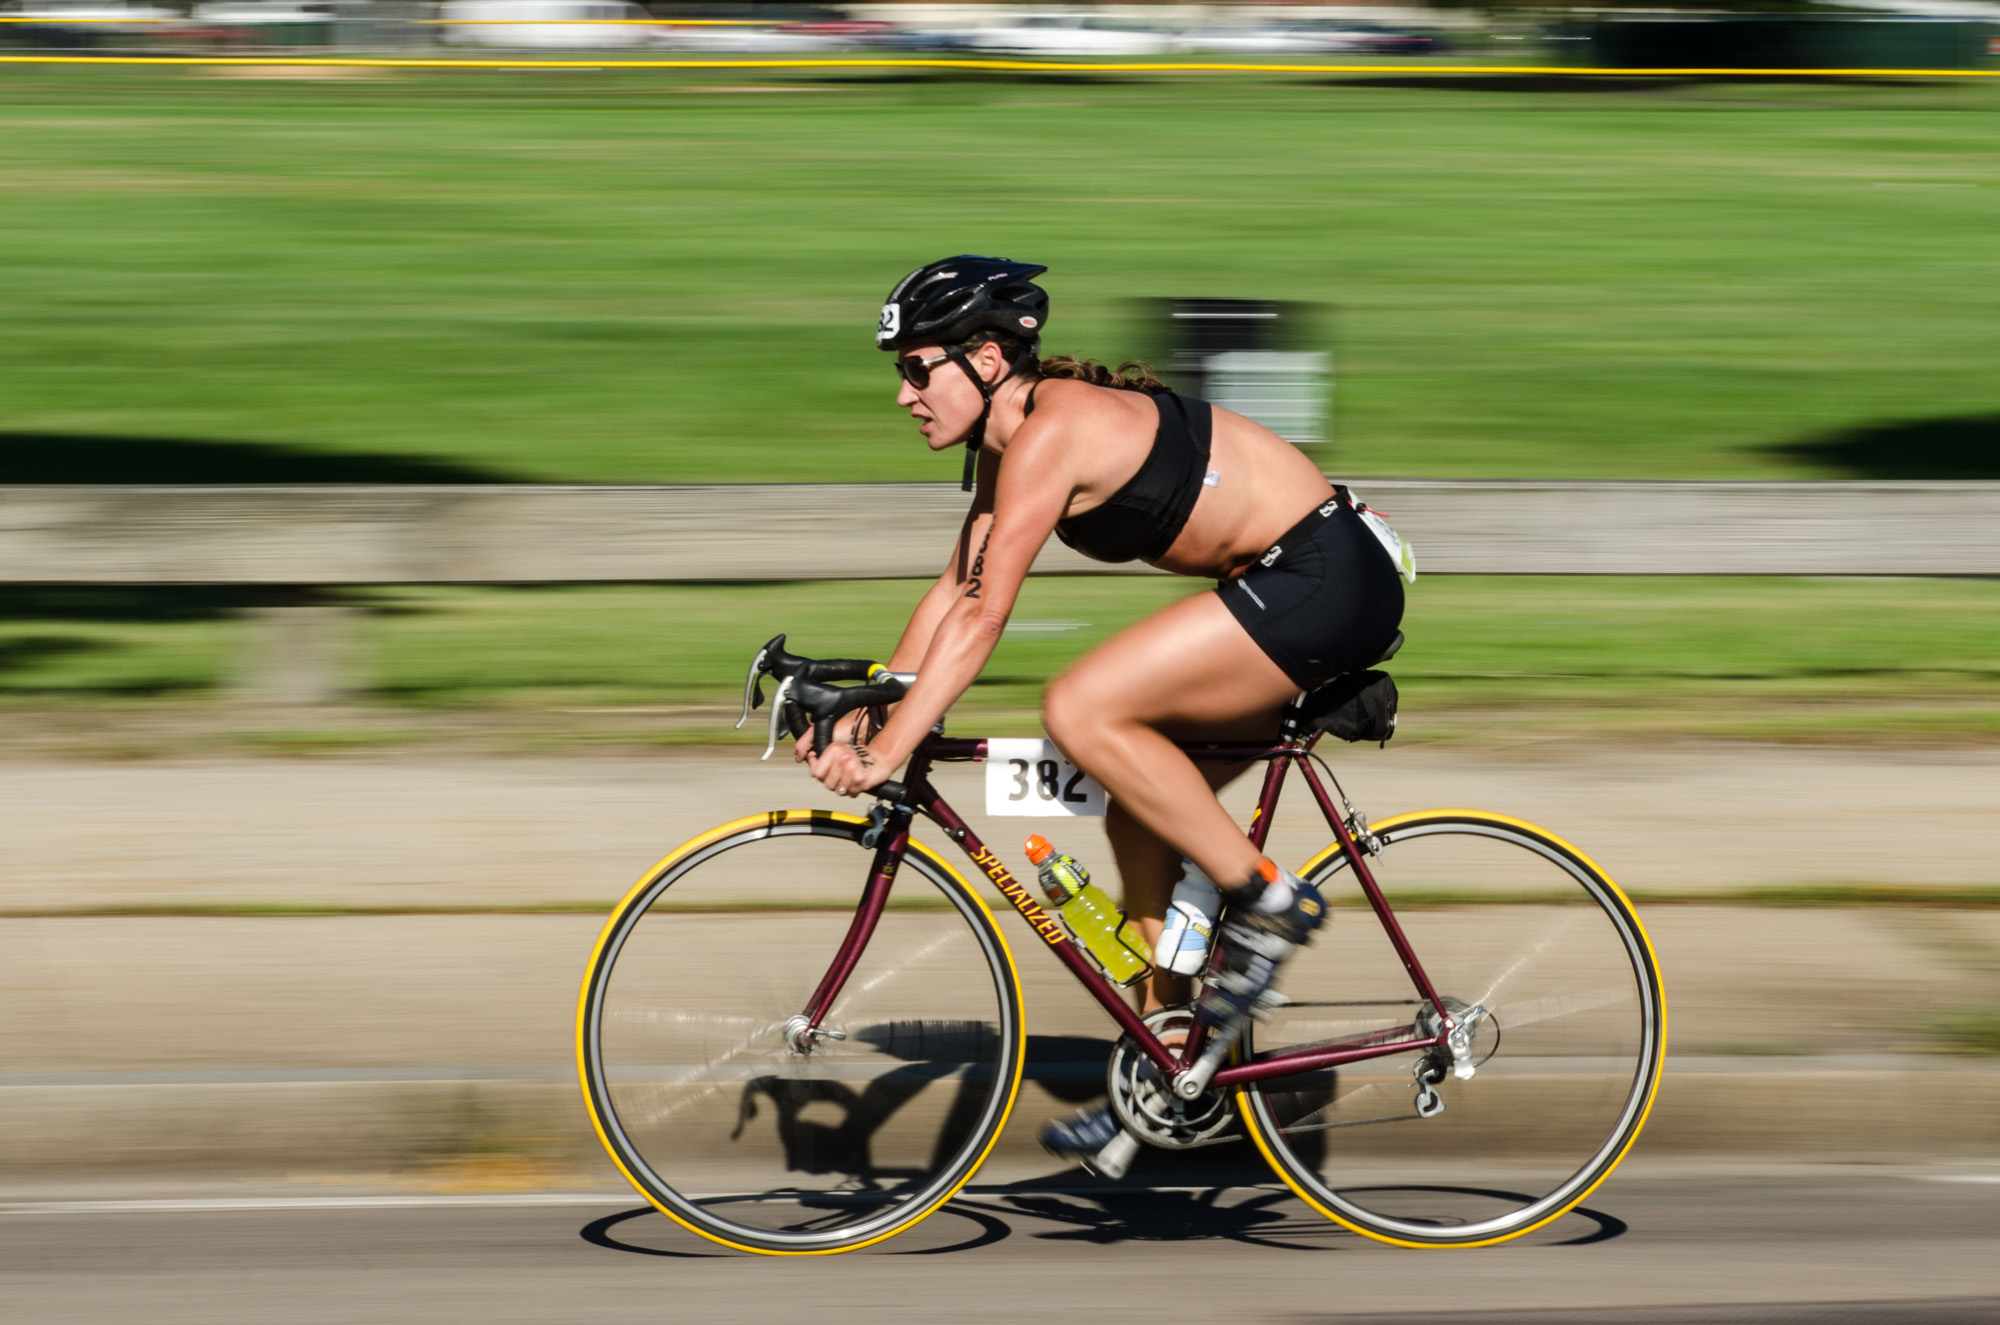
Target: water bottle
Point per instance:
(1098, 925)
(1190, 928)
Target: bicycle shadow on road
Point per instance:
(1222, 1193)
(1265, 1218)
(1215, 1193)
(1129, 1214)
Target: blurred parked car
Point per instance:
(563, 24)
(1374, 39)
(848, 32)
(1324, 37)
(84, 17)
(1071, 34)
(1290, 39)
(753, 38)
(266, 22)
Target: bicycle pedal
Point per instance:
(1268, 1002)
(1116, 1157)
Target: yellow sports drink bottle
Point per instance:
(1098, 925)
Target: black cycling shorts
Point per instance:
(1325, 599)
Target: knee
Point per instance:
(1070, 715)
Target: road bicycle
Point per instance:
(802, 1032)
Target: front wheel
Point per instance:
(1540, 955)
(722, 1108)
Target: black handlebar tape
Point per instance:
(781, 664)
(824, 704)
(838, 669)
(891, 791)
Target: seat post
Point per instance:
(1292, 725)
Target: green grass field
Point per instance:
(633, 276)
(1489, 659)
(630, 276)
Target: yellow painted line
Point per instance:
(1004, 66)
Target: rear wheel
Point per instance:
(1526, 942)
(720, 1109)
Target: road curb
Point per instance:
(67, 1125)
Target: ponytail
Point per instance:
(1130, 375)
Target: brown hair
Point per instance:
(1132, 375)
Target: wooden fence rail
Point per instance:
(334, 535)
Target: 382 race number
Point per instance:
(1029, 778)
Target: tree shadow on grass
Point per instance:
(154, 604)
(37, 457)
(32, 650)
(1962, 447)
(38, 636)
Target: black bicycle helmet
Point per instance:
(949, 302)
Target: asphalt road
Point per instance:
(1852, 1245)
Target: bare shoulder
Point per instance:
(1084, 438)
(1067, 407)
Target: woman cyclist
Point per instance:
(1120, 468)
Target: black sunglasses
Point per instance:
(916, 370)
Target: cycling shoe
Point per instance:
(1082, 1136)
(1254, 945)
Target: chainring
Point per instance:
(1149, 1109)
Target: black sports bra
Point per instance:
(1142, 519)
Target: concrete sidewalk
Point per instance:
(432, 1043)
(461, 831)
(442, 1044)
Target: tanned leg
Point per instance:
(1189, 670)
(1148, 867)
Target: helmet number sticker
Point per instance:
(892, 322)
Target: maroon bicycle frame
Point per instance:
(920, 797)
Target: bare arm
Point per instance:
(915, 641)
(937, 600)
(960, 621)
(1030, 499)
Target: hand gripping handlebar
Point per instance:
(805, 699)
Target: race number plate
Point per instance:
(1032, 778)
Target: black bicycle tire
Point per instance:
(1269, 1139)
(591, 1070)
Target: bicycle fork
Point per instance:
(891, 838)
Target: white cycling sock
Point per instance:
(1277, 893)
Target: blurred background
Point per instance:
(321, 774)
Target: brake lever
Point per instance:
(753, 692)
(777, 708)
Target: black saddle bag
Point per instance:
(1355, 706)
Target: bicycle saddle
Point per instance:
(1355, 706)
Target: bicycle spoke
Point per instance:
(710, 1084)
(1563, 1015)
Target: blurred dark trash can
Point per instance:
(1253, 356)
